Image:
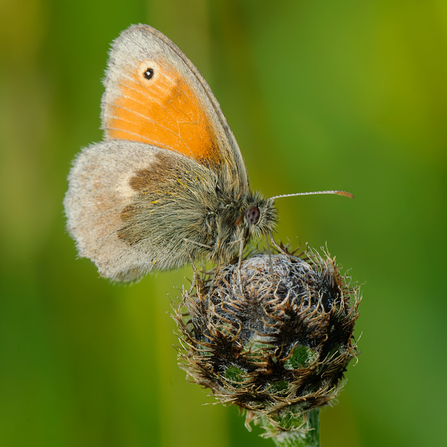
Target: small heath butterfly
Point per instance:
(168, 183)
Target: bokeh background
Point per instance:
(320, 95)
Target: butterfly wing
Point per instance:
(130, 206)
(155, 95)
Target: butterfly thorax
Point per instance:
(212, 218)
(239, 218)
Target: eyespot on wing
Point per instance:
(174, 109)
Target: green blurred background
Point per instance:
(320, 94)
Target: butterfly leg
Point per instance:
(208, 247)
(194, 273)
(280, 250)
(241, 251)
(270, 256)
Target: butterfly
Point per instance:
(168, 184)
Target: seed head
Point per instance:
(274, 336)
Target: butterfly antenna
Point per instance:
(339, 193)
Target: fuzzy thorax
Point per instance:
(239, 220)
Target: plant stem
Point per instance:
(308, 437)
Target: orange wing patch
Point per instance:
(156, 106)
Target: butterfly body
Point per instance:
(168, 185)
(181, 211)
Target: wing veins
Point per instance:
(161, 105)
(145, 117)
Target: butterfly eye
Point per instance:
(253, 215)
(149, 73)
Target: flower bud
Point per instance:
(273, 336)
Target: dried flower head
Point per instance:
(273, 336)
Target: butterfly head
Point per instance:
(241, 217)
(259, 215)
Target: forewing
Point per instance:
(155, 95)
(130, 207)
